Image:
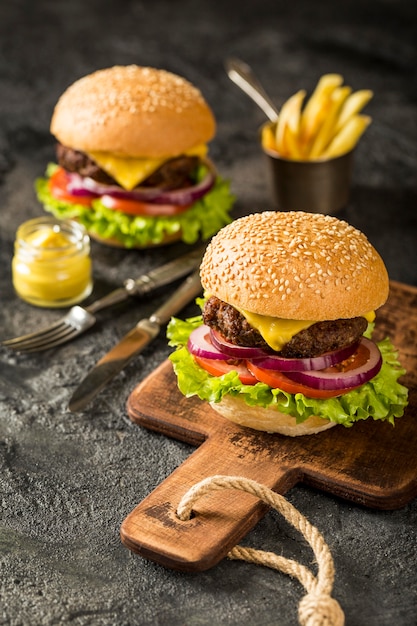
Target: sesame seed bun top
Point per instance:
(132, 111)
(295, 265)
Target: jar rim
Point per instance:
(76, 232)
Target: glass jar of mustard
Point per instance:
(51, 266)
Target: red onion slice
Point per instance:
(236, 352)
(281, 364)
(276, 362)
(76, 187)
(79, 185)
(200, 345)
(368, 358)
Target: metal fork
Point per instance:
(79, 319)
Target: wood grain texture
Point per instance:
(371, 464)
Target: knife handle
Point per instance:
(165, 274)
(188, 290)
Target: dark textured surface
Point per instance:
(67, 481)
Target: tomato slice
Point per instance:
(134, 207)
(58, 186)
(217, 367)
(278, 380)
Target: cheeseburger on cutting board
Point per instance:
(284, 341)
(132, 159)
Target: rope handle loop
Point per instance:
(317, 608)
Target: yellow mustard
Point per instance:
(51, 266)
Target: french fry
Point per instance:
(288, 124)
(316, 107)
(355, 103)
(268, 137)
(326, 131)
(329, 125)
(290, 147)
(348, 136)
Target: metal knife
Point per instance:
(133, 343)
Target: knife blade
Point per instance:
(133, 343)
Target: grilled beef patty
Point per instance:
(80, 163)
(321, 337)
(173, 174)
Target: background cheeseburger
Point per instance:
(132, 163)
(283, 344)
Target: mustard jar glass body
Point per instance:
(51, 266)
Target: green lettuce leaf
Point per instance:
(207, 216)
(382, 398)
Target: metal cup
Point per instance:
(311, 186)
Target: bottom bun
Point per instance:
(268, 420)
(115, 243)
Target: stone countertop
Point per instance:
(67, 481)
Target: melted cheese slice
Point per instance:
(129, 171)
(370, 316)
(277, 332)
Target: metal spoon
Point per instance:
(241, 74)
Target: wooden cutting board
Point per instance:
(371, 464)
